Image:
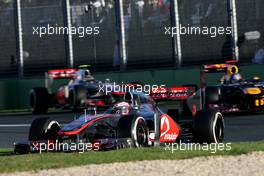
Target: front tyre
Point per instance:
(208, 127)
(139, 132)
(44, 129)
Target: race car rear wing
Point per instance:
(216, 68)
(68, 73)
(173, 93)
(62, 73)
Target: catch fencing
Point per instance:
(126, 34)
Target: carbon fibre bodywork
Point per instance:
(136, 121)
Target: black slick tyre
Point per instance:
(39, 100)
(208, 127)
(44, 129)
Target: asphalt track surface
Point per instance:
(244, 127)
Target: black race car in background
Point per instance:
(237, 96)
(81, 91)
(137, 121)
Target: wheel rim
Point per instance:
(52, 130)
(218, 129)
(141, 135)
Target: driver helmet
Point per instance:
(235, 78)
(123, 108)
(107, 81)
(87, 75)
(232, 69)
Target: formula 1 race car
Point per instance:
(137, 121)
(232, 95)
(81, 91)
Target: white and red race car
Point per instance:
(81, 91)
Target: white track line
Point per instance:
(18, 125)
(14, 125)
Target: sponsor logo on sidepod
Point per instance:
(166, 128)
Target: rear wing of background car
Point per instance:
(62, 73)
(68, 73)
(173, 93)
(217, 68)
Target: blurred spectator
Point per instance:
(12, 61)
(259, 57)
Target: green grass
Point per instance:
(10, 162)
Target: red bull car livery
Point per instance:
(233, 93)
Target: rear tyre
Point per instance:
(39, 100)
(208, 127)
(77, 95)
(44, 129)
(139, 132)
(212, 95)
